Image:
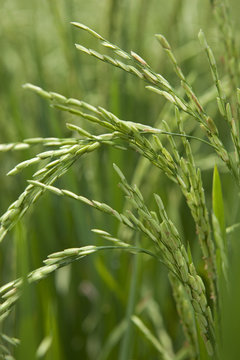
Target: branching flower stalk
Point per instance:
(11, 292)
(48, 174)
(223, 105)
(162, 87)
(178, 170)
(222, 14)
(163, 160)
(172, 251)
(194, 307)
(185, 313)
(206, 122)
(192, 188)
(176, 258)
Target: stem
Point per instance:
(126, 345)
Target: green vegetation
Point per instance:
(119, 226)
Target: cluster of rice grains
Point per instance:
(195, 307)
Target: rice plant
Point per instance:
(201, 277)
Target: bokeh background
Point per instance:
(81, 307)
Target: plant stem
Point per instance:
(126, 345)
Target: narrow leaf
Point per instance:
(217, 200)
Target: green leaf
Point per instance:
(217, 200)
(148, 334)
(218, 223)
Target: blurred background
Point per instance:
(80, 310)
